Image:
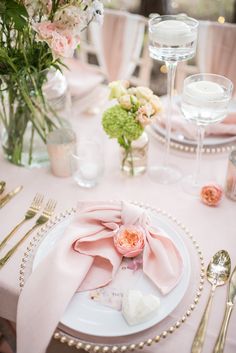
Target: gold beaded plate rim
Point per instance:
(63, 337)
(188, 148)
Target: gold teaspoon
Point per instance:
(220, 343)
(218, 272)
(2, 186)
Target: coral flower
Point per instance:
(129, 240)
(211, 194)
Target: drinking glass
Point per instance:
(173, 38)
(88, 163)
(205, 101)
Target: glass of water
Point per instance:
(88, 163)
(205, 101)
(172, 38)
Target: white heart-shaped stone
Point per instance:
(138, 308)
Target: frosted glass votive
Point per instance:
(61, 144)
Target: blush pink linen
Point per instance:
(86, 258)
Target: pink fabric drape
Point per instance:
(86, 258)
(118, 43)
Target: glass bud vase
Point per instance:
(134, 160)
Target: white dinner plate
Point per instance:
(89, 317)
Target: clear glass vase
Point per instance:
(30, 109)
(134, 159)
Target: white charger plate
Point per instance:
(88, 317)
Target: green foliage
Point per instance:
(24, 62)
(14, 12)
(120, 124)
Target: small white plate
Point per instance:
(88, 317)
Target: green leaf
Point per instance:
(2, 6)
(17, 13)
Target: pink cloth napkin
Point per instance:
(179, 125)
(86, 258)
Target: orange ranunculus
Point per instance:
(211, 194)
(129, 240)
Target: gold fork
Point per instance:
(44, 218)
(30, 213)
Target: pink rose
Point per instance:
(63, 44)
(211, 194)
(129, 241)
(45, 29)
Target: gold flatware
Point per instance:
(30, 213)
(44, 218)
(2, 186)
(218, 272)
(220, 343)
(10, 195)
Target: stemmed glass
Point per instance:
(205, 101)
(173, 38)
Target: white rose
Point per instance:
(127, 101)
(118, 89)
(156, 104)
(144, 93)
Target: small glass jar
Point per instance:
(134, 161)
(230, 184)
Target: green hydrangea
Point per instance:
(121, 124)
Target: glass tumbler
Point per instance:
(88, 163)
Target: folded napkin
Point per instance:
(86, 258)
(189, 130)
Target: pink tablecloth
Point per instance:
(214, 228)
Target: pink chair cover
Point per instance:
(118, 43)
(217, 49)
(85, 258)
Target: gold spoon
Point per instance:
(218, 272)
(220, 343)
(2, 186)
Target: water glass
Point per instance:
(88, 163)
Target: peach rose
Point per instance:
(211, 194)
(144, 115)
(129, 241)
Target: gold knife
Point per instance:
(220, 343)
(10, 195)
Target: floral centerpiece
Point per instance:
(34, 35)
(136, 108)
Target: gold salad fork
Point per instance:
(44, 218)
(30, 213)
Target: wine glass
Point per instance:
(205, 101)
(173, 38)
